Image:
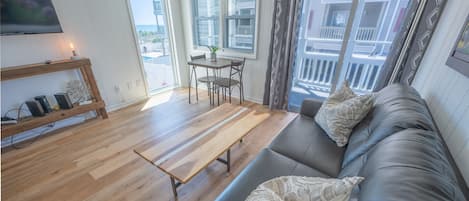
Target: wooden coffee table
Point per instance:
(185, 151)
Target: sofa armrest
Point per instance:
(309, 107)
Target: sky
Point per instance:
(143, 12)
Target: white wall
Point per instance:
(254, 74)
(447, 91)
(101, 30)
(18, 50)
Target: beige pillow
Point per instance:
(294, 188)
(341, 112)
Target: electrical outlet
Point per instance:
(117, 89)
(138, 82)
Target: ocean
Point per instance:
(152, 28)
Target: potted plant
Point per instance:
(213, 52)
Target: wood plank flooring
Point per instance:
(95, 160)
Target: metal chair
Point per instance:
(206, 79)
(227, 83)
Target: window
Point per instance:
(235, 18)
(206, 22)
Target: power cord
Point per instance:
(16, 145)
(46, 129)
(17, 110)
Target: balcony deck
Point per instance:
(158, 70)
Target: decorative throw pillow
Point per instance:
(341, 112)
(294, 188)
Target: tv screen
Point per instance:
(28, 17)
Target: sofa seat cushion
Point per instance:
(304, 141)
(267, 165)
(409, 165)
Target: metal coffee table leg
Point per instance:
(227, 162)
(175, 185)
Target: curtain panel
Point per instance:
(281, 60)
(404, 59)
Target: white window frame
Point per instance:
(223, 35)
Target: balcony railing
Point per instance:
(364, 33)
(318, 69)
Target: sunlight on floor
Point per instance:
(157, 100)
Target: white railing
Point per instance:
(363, 73)
(318, 69)
(332, 32)
(366, 47)
(364, 33)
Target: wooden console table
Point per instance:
(84, 65)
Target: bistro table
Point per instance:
(216, 66)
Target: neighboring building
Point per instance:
(328, 20)
(241, 24)
(159, 16)
(207, 19)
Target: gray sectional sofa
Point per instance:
(397, 148)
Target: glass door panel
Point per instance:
(154, 44)
(331, 51)
(322, 32)
(371, 42)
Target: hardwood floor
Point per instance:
(95, 160)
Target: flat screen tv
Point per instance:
(28, 17)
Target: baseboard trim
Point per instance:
(236, 94)
(255, 100)
(119, 106)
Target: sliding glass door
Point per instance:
(344, 40)
(151, 28)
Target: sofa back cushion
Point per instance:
(396, 107)
(341, 112)
(409, 165)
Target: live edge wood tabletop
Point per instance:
(83, 65)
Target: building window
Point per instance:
(233, 21)
(206, 22)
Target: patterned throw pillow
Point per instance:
(341, 112)
(295, 188)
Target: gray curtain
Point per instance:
(420, 38)
(285, 28)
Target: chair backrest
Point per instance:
(237, 67)
(197, 57)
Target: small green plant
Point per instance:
(213, 49)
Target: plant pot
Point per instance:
(213, 56)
